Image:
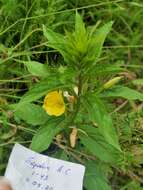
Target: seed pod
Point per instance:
(73, 137)
(112, 82)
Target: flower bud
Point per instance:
(112, 82)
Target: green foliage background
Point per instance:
(48, 45)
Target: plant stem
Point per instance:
(78, 99)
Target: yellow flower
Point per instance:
(54, 103)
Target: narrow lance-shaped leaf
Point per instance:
(56, 41)
(79, 26)
(98, 114)
(80, 34)
(138, 82)
(105, 70)
(101, 149)
(97, 40)
(40, 89)
(123, 92)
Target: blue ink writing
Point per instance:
(35, 164)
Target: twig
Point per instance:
(119, 107)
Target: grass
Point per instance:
(22, 41)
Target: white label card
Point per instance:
(28, 170)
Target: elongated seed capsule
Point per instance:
(73, 137)
(112, 82)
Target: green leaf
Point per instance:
(37, 69)
(95, 176)
(40, 89)
(138, 82)
(80, 34)
(80, 30)
(97, 40)
(101, 149)
(32, 114)
(45, 135)
(58, 42)
(132, 185)
(97, 113)
(105, 70)
(123, 92)
(55, 40)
